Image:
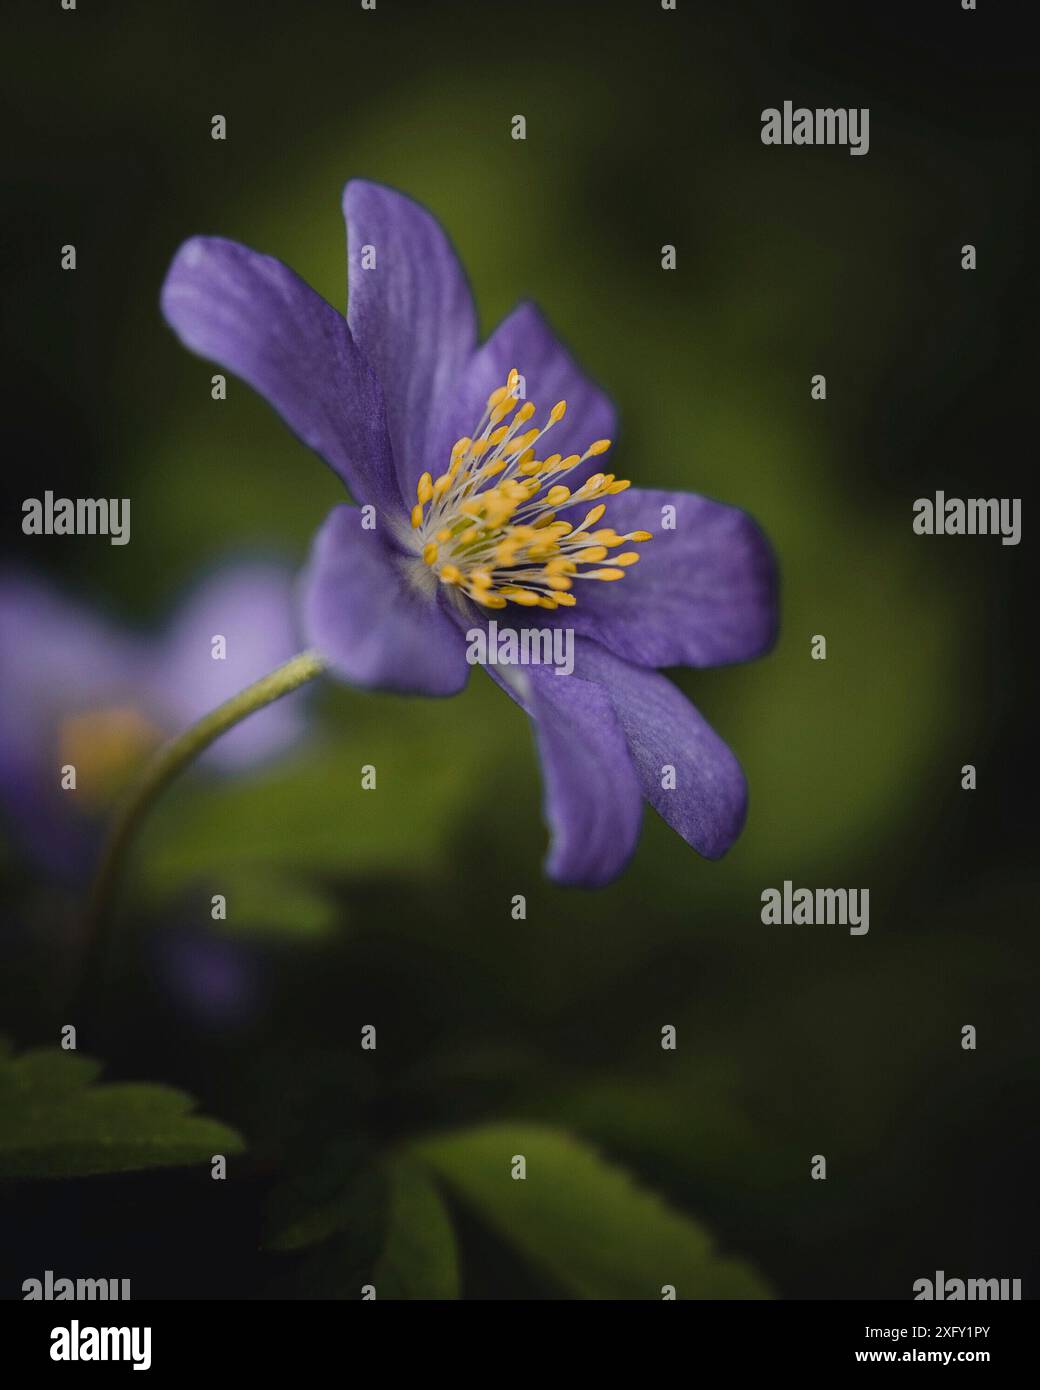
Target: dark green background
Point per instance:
(393, 907)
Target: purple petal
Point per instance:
(411, 314)
(709, 801)
(254, 316)
(364, 610)
(57, 659)
(593, 805)
(525, 341)
(252, 606)
(702, 595)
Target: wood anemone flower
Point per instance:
(473, 502)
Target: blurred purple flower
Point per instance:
(75, 689)
(216, 982)
(413, 416)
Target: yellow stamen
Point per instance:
(488, 524)
(489, 600)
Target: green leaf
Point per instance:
(341, 1190)
(584, 1222)
(56, 1122)
(419, 1259)
(383, 1224)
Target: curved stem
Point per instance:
(160, 772)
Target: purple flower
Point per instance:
(215, 982)
(463, 510)
(77, 691)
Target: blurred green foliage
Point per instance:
(584, 1221)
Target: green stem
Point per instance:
(160, 772)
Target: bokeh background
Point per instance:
(393, 907)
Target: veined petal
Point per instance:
(376, 628)
(708, 804)
(256, 317)
(593, 805)
(703, 594)
(411, 313)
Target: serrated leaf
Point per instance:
(55, 1121)
(584, 1222)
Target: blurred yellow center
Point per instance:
(488, 525)
(105, 746)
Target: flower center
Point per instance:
(488, 526)
(105, 746)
